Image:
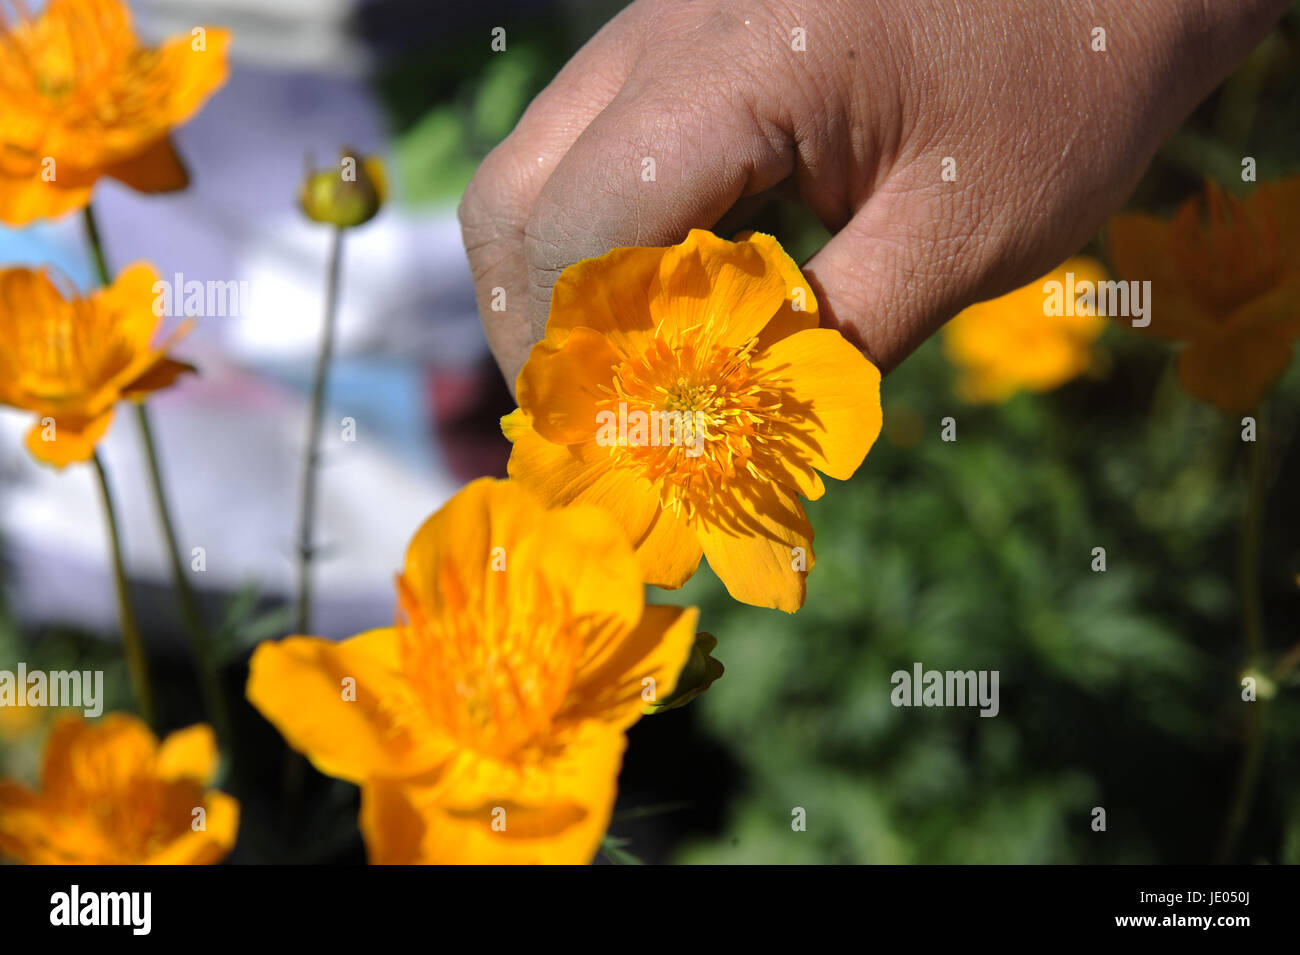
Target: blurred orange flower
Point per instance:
(18, 722)
(111, 795)
(690, 392)
(70, 360)
(488, 725)
(1011, 344)
(80, 98)
(1225, 279)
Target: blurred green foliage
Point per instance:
(454, 99)
(1118, 689)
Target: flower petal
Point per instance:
(519, 554)
(562, 475)
(162, 375)
(799, 311)
(190, 753)
(589, 560)
(393, 828)
(759, 543)
(189, 75)
(1234, 370)
(129, 302)
(1009, 344)
(707, 285)
(144, 92)
(84, 760)
(159, 168)
(486, 813)
(1276, 312)
(299, 685)
(609, 684)
(669, 552)
(486, 517)
(67, 438)
(559, 385)
(25, 199)
(1280, 201)
(1140, 250)
(25, 828)
(29, 302)
(830, 399)
(209, 845)
(610, 294)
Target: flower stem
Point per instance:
(1288, 662)
(96, 245)
(1250, 543)
(1252, 759)
(136, 663)
(1243, 795)
(209, 677)
(307, 499)
(295, 765)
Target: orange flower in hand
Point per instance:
(80, 98)
(1225, 279)
(1010, 344)
(112, 795)
(690, 392)
(70, 360)
(488, 725)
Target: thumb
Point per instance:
(901, 267)
(653, 165)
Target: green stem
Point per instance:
(205, 661)
(295, 766)
(1250, 543)
(1243, 795)
(136, 663)
(1288, 662)
(97, 245)
(307, 498)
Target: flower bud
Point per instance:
(348, 195)
(697, 675)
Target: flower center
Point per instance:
(61, 353)
(94, 75)
(491, 671)
(697, 415)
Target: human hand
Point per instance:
(1041, 137)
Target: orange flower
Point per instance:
(1012, 344)
(80, 98)
(111, 795)
(690, 392)
(488, 725)
(1225, 279)
(70, 360)
(17, 722)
